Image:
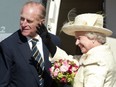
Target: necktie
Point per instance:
(39, 63)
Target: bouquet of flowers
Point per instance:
(64, 71)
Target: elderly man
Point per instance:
(24, 58)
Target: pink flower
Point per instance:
(56, 71)
(64, 68)
(63, 80)
(64, 71)
(56, 64)
(51, 69)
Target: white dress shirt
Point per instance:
(39, 44)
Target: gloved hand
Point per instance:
(46, 38)
(43, 32)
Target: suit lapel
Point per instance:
(26, 54)
(25, 51)
(46, 58)
(47, 78)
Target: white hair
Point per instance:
(101, 38)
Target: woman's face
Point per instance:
(83, 42)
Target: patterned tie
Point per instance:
(39, 63)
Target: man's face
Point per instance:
(29, 20)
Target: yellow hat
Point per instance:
(86, 22)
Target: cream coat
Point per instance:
(97, 67)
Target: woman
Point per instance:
(97, 67)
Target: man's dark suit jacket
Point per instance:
(16, 66)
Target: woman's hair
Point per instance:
(101, 38)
